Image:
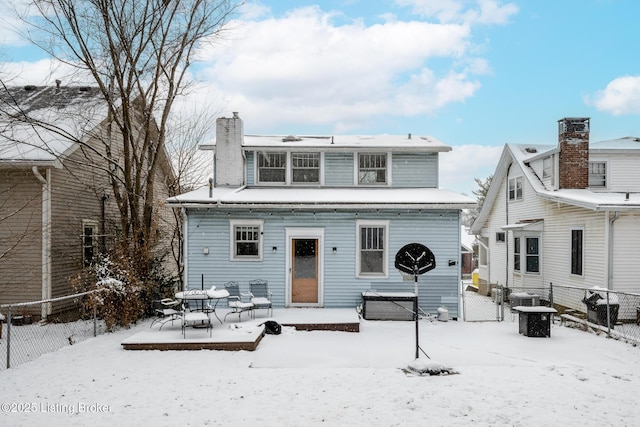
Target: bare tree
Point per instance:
(137, 52)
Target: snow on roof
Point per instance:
(626, 143)
(337, 142)
(304, 197)
(40, 124)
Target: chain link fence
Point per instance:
(32, 329)
(616, 314)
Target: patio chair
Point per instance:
(166, 310)
(260, 296)
(196, 319)
(234, 300)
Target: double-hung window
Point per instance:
(526, 250)
(246, 240)
(598, 174)
(372, 247)
(515, 188)
(372, 168)
(89, 242)
(305, 168)
(272, 167)
(577, 253)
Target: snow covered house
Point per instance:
(56, 203)
(567, 214)
(322, 217)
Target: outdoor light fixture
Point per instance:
(452, 262)
(274, 249)
(205, 250)
(335, 249)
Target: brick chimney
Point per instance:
(573, 144)
(229, 162)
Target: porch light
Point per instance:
(335, 250)
(205, 250)
(274, 249)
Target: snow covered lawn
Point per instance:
(336, 378)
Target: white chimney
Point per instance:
(229, 162)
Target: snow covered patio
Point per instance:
(234, 335)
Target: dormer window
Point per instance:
(272, 167)
(305, 168)
(372, 168)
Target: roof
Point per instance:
(341, 143)
(522, 154)
(39, 124)
(325, 198)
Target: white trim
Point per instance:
(94, 226)
(385, 256)
(232, 239)
(304, 233)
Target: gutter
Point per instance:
(46, 237)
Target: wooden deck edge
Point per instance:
(226, 346)
(342, 327)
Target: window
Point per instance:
(547, 167)
(533, 257)
(372, 252)
(515, 188)
(516, 253)
(598, 174)
(89, 242)
(305, 167)
(577, 236)
(246, 240)
(272, 167)
(500, 237)
(372, 168)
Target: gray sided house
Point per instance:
(56, 205)
(322, 217)
(566, 213)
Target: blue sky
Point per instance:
(475, 74)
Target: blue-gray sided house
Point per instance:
(322, 217)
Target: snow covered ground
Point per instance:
(336, 379)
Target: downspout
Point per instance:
(611, 220)
(506, 240)
(46, 238)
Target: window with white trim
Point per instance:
(501, 237)
(372, 168)
(89, 242)
(577, 250)
(372, 244)
(246, 240)
(515, 188)
(532, 254)
(516, 254)
(272, 167)
(305, 168)
(598, 174)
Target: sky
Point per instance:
(328, 378)
(475, 74)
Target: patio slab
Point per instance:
(245, 335)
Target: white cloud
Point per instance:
(470, 12)
(303, 68)
(621, 96)
(459, 167)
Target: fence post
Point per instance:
(9, 337)
(95, 321)
(551, 294)
(608, 316)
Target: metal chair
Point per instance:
(166, 310)
(260, 296)
(234, 300)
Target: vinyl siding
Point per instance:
(20, 236)
(338, 169)
(623, 173)
(415, 170)
(439, 230)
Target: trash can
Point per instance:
(475, 277)
(596, 301)
(443, 314)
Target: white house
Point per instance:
(567, 214)
(321, 218)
